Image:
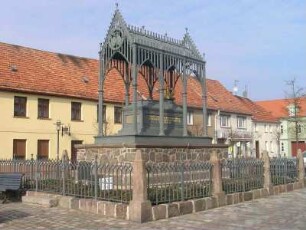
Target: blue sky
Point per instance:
(260, 43)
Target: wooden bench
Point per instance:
(10, 182)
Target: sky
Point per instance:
(260, 44)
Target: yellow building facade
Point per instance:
(40, 136)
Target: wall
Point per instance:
(270, 136)
(33, 129)
(238, 139)
(127, 154)
(197, 128)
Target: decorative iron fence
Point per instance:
(176, 181)
(111, 182)
(283, 170)
(241, 175)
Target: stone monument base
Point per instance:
(115, 149)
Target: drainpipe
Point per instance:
(216, 126)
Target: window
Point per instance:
(255, 127)
(20, 106)
(224, 121)
(299, 128)
(208, 119)
(42, 149)
(282, 129)
(118, 115)
(241, 122)
(266, 128)
(104, 113)
(270, 128)
(76, 111)
(189, 118)
(19, 149)
(43, 108)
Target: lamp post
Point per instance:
(58, 128)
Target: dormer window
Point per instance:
(293, 110)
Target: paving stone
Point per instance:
(284, 211)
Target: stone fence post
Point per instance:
(267, 171)
(140, 207)
(217, 190)
(301, 170)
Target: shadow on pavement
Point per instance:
(8, 215)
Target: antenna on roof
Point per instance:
(245, 92)
(235, 89)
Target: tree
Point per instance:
(295, 98)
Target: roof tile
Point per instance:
(58, 74)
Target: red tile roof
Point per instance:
(259, 113)
(57, 74)
(279, 109)
(47, 73)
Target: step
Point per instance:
(45, 200)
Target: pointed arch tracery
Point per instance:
(150, 74)
(170, 77)
(122, 65)
(155, 61)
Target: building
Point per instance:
(228, 121)
(265, 130)
(40, 88)
(48, 102)
(292, 115)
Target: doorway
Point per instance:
(257, 149)
(74, 150)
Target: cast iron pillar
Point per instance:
(161, 95)
(127, 85)
(204, 98)
(185, 101)
(134, 75)
(101, 79)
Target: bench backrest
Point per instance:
(10, 181)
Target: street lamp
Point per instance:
(58, 128)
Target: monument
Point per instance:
(160, 60)
(154, 126)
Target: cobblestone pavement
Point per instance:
(285, 211)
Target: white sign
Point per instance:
(106, 183)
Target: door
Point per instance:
(297, 145)
(257, 149)
(74, 150)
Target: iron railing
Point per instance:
(176, 181)
(283, 170)
(101, 181)
(241, 175)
